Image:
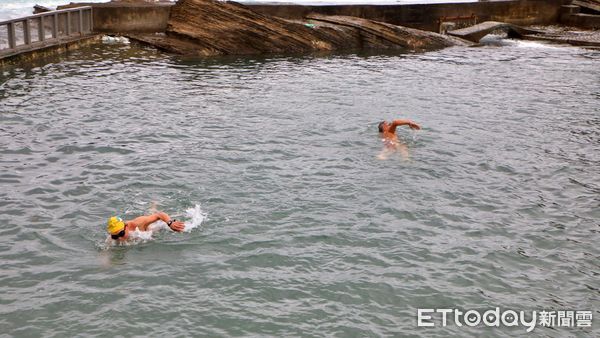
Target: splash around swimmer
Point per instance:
(119, 230)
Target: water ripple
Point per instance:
(308, 233)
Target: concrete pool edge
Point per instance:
(42, 50)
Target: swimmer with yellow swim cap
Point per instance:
(119, 229)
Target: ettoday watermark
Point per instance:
(509, 318)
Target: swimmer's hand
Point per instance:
(414, 126)
(177, 226)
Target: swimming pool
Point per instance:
(308, 233)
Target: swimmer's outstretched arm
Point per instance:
(409, 123)
(143, 222)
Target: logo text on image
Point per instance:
(496, 318)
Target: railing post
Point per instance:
(68, 31)
(12, 36)
(91, 19)
(80, 22)
(55, 26)
(27, 31)
(41, 30)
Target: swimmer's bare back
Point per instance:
(390, 139)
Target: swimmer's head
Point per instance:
(115, 227)
(380, 126)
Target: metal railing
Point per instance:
(48, 27)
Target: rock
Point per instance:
(231, 28)
(40, 9)
(378, 34)
(205, 27)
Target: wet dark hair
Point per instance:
(380, 126)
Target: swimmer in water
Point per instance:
(390, 139)
(119, 229)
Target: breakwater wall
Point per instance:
(428, 16)
(122, 17)
(571, 16)
(125, 18)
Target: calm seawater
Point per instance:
(307, 232)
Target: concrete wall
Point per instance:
(582, 20)
(128, 17)
(30, 56)
(519, 12)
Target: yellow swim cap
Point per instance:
(115, 225)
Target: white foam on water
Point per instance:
(536, 44)
(135, 237)
(113, 40)
(502, 41)
(142, 236)
(496, 40)
(194, 218)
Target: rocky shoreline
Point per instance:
(207, 28)
(211, 28)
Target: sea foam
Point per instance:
(193, 218)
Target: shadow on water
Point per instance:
(294, 58)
